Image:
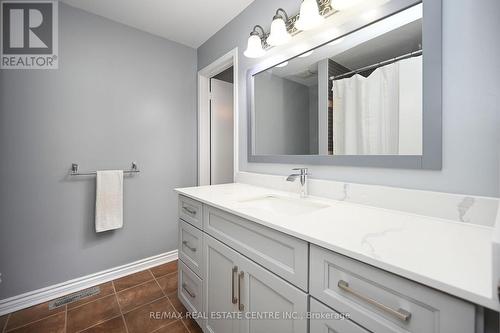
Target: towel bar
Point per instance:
(74, 170)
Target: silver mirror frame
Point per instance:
(431, 159)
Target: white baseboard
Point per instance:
(35, 297)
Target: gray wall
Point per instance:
(281, 116)
(120, 95)
(471, 100)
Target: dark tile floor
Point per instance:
(123, 306)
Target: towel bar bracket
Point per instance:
(74, 170)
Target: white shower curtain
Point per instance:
(366, 111)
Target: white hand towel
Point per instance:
(109, 200)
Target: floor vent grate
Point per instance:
(74, 297)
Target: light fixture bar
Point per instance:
(256, 32)
(280, 12)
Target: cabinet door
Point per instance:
(220, 285)
(264, 293)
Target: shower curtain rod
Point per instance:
(380, 64)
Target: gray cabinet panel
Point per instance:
(255, 288)
(265, 292)
(331, 321)
(220, 285)
(191, 211)
(191, 247)
(373, 297)
(284, 255)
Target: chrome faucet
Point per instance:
(303, 180)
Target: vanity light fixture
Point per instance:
(309, 16)
(283, 27)
(307, 54)
(279, 34)
(255, 48)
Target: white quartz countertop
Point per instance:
(449, 256)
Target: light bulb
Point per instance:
(309, 16)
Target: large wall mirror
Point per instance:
(371, 97)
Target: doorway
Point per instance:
(221, 127)
(217, 121)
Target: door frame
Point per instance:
(227, 60)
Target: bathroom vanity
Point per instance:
(248, 251)
(353, 93)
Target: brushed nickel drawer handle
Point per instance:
(401, 314)
(234, 299)
(186, 244)
(241, 306)
(189, 210)
(190, 293)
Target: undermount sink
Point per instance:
(283, 205)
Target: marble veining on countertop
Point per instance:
(450, 256)
(450, 206)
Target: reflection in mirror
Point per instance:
(357, 95)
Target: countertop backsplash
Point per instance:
(457, 207)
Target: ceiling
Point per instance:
(187, 22)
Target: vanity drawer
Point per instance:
(190, 289)
(191, 211)
(383, 302)
(284, 255)
(190, 246)
(334, 323)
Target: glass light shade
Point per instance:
(254, 47)
(279, 35)
(309, 16)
